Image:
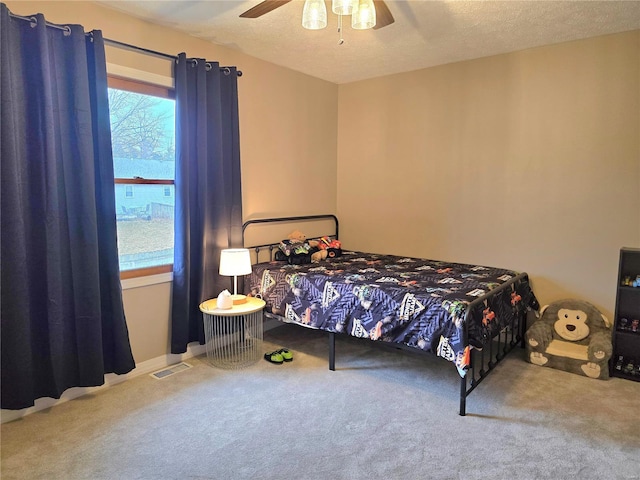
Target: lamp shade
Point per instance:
(314, 15)
(364, 15)
(235, 261)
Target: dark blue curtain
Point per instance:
(63, 323)
(208, 211)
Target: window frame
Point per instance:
(145, 88)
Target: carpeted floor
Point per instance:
(382, 414)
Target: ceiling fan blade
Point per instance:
(263, 7)
(383, 15)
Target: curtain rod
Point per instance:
(128, 46)
(114, 43)
(34, 21)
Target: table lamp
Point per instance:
(234, 262)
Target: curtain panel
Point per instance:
(208, 209)
(63, 322)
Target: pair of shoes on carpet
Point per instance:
(279, 356)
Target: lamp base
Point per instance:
(239, 299)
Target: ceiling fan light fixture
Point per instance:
(314, 15)
(343, 7)
(364, 15)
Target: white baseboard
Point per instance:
(110, 379)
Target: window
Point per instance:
(143, 141)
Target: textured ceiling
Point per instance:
(425, 33)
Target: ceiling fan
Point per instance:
(383, 15)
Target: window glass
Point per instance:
(143, 142)
(145, 228)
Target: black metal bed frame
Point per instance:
(482, 361)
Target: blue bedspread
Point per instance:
(417, 302)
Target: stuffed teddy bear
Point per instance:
(571, 335)
(297, 237)
(318, 256)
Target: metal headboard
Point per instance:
(272, 246)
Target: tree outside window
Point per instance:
(143, 143)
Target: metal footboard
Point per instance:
(484, 360)
(494, 349)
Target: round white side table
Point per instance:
(233, 336)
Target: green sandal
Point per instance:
(287, 356)
(274, 357)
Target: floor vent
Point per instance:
(167, 372)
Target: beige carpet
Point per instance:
(382, 414)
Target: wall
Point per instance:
(287, 130)
(528, 160)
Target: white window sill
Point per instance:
(146, 281)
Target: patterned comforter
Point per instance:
(417, 302)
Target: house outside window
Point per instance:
(143, 142)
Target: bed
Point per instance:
(470, 315)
